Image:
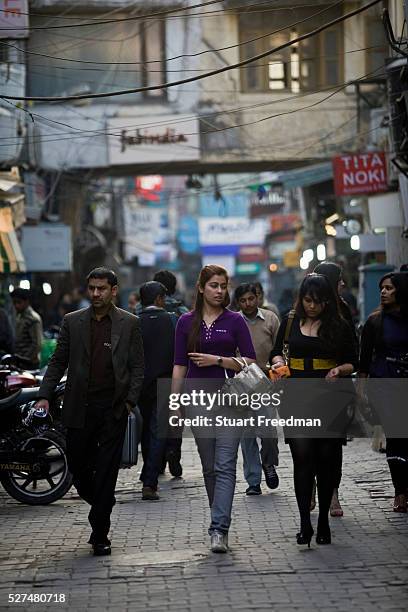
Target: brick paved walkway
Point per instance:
(160, 559)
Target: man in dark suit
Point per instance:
(102, 347)
(158, 345)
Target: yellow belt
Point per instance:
(317, 364)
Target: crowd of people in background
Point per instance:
(312, 333)
(323, 343)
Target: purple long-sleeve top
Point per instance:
(227, 334)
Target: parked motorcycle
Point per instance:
(14, 376)
(33, 462)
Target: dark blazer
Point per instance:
(158, 344)
(73, 352)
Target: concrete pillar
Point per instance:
(396, 246)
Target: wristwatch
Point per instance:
(219, 361)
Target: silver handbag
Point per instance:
(251, 379)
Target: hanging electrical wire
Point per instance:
(119, 20)
(227, 68)
(196, 54)
(93, 133)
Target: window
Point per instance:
(311, 64)
(111, 44)
(377, 44)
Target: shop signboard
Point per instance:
(361, 173)
(231, 231)
(47, 247)
(251, 254)
(247, 268)
(140, 225)
(156, 138)
(14, 19)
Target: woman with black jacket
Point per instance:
(320, 346)
(384, 339)
(333, 273)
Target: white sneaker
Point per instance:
(219, 542)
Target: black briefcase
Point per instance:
(132, 438)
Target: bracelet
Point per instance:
(278, 363)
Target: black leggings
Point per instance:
(320, 458)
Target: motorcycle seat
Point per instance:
(22, 396)
(28, 394)
(7, 402)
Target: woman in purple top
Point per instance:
(206, 340)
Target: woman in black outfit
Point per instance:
(320, 346)
(384, 336)
(333, 273)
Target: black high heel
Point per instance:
(304, 536)
(323, 535)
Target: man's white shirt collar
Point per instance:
(259, 315)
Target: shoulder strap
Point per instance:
(285, 348)
(289, 324)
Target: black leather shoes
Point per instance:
(101, 549)
(175, 467)
(93, 539)
(271, 476)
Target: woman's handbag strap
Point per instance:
(285, 348)
(243, 364)
(289, 324)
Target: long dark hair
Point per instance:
(400, 282)
(320, 290)
(206, 273)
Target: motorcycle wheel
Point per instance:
(46, 488)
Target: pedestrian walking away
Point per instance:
(206, 340)
(158, 346)
(102, 348)
(320, 346)
(172, 303)
(175, 307)
(263, 326)
(333, 273)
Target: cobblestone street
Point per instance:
(161, 559)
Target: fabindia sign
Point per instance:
(154, 138)
(360, 173)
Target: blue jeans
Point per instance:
(218, 456)
(155, 419)
(253, 462)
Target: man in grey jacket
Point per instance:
(102, 348)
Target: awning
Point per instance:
(298, 177)
(309, 175)
(11, 179)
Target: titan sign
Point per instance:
(361, 173)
